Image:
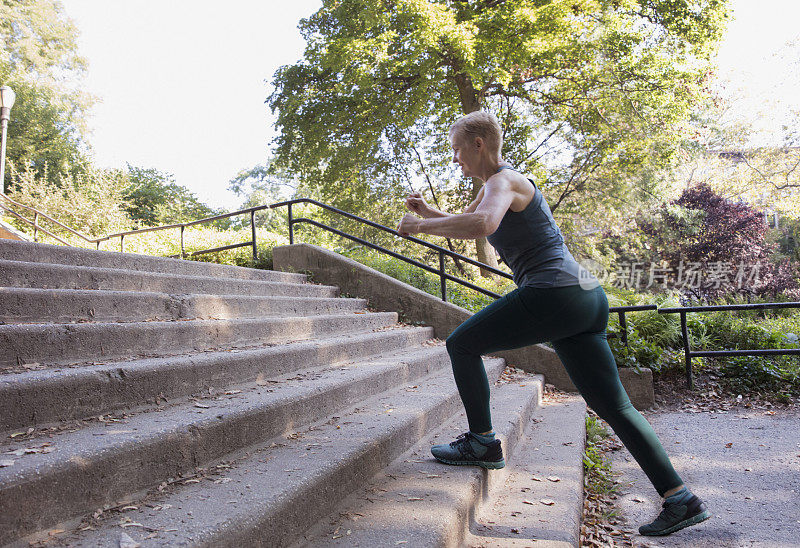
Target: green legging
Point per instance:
(574, 320)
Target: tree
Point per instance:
(153, 198)
(260, 186)
(723, 242)
(590, 93)
(39, 60)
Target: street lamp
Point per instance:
(7, 97)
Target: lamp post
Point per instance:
(7, 97)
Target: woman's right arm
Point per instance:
(417, 204)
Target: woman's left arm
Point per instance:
(497, 198)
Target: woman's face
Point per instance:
(465, 154)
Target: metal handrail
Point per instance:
(689, 353)
(373, 224)
(36, 214)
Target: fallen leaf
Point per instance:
(126, 541)
(32, 365)
(729, 445)
(232, 392)
(553, 478)
(515, 531)
(547, 502)
(534, 478)
(201, 405)
(526, 502)
(414, 498)
(637, 499)
(4, 463)
(55, 532)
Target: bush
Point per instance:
(74, 201)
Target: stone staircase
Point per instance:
(159, 402)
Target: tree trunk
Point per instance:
(470, 102)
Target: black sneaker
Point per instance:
(468, 450)
(675, 515)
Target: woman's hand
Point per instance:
(417, 204)
(409, 224)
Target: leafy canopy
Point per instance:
(591, 94)
(153, 198)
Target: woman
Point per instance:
(556, 300)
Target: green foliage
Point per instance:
(596, 466)
(259, 186)
(153, 198)
(73, 200)
(654, 341)
(592, 95)
(39, 60)
(753, 374)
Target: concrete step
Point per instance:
(547, 466)
(24, 305)
(60, 344)
(419, 502)
(56, 254)
(270, 494)
(42, 397)
(99, 465)
(57, 276)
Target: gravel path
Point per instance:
(745, 464)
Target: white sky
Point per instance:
(182, 82)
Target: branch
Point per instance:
(566, 192)
(540, 145)
(767, 180)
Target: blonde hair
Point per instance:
(480, 124)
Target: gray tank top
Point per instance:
(531, 244)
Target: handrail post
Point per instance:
(35, 226)
(442, 279)
(253, 226)
(686, 350)
(183, 248)
(121, 243)
(623, 327)
(291, 230)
